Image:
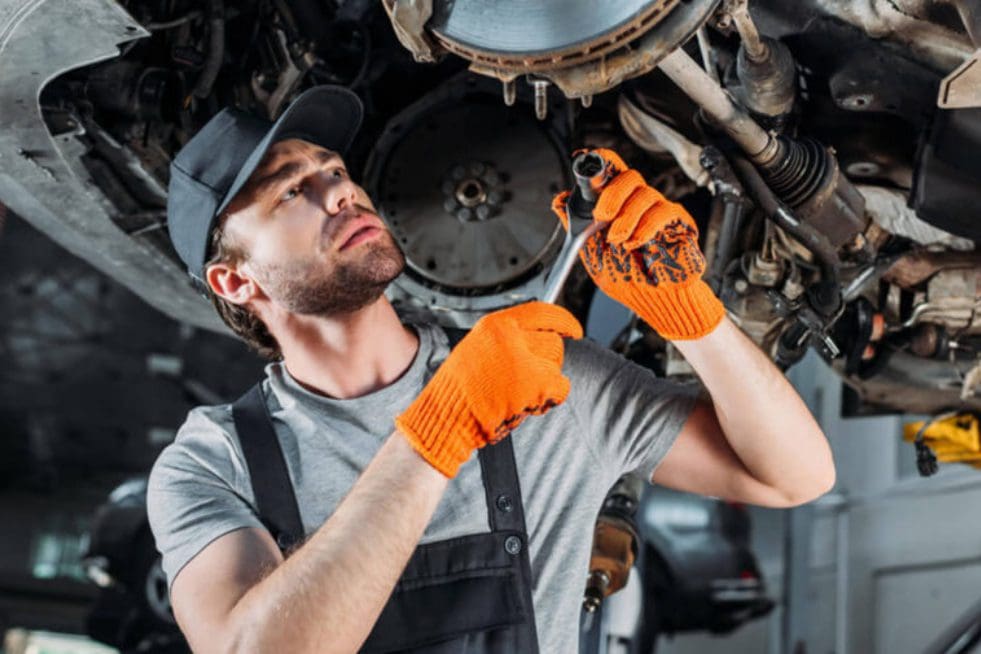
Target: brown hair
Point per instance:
(240, 319)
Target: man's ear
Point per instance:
(230, 282)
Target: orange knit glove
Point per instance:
(648, 259)
(508, 367)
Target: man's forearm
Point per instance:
(327, 596)
(764, 419)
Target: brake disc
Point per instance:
(582, 47)
(540, 34)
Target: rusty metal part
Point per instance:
(520, 38)
(655, 136)
(915, 268)
(962, 88)
(706, 92)
(755, 46)
(907, 23)
(752, 312)
(890, 210)
(541, 97)
(584, 69)
(953, 298)
(768, 84)
(761, 271)
(409, 19)
(709, 60)
(910, 384)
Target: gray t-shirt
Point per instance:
(618, 418)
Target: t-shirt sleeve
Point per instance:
(198, 491)
(630, 416)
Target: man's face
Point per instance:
(311, 237)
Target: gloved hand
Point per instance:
(648, 259)
(506, 368)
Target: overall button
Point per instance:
(512, 545)
(283, 541)
(504, 503)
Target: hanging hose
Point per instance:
(733, 213)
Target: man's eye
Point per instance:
(290, 194)
(340, 172)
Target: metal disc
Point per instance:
(519, 27)
(466, 193)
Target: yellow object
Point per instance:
(956, 439)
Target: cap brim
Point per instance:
(329, 116)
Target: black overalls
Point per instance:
(465, 595)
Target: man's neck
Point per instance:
(348, 356)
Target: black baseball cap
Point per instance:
(216, 163)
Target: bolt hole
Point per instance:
(431, 264)
(471, 190)
(513, 261)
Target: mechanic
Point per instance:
(379, 490)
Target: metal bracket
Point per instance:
(962, 88)
(409, 18)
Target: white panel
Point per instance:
(913, 605)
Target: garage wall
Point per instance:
(892, 558)
(909, 548)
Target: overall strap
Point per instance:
(505, 511)
(271, 484)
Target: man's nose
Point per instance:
(339, 194)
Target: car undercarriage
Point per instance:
(826, 148)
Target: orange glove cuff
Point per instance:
(440, 426)
(679, 313)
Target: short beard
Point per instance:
(311, 288)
